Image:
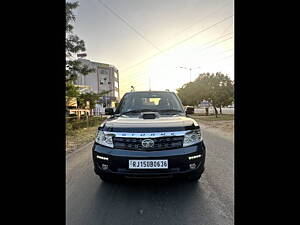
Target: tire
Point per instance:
(194, 178)
(108, 178)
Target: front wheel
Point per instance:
(194, 178)
(108, 178)
(196, 175)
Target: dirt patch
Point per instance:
(212, 117)
(224, 128)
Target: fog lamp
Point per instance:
(104, 166)
(193, 165)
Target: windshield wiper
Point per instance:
(170, 110)
(138, 111)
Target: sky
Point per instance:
(149, 40)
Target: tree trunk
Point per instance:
(221, 110)
(206, 111)
(216, 111)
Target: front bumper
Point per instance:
(178, 161)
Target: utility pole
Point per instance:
(98, 80)
(149, 83)
(107, 93)
(190, 69)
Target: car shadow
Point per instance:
(151, 202)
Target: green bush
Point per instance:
(84, 123)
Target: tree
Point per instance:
(74, 45)
(215, 88)
(225, 91)
(90, 98)
(71, 92)
(187, 94)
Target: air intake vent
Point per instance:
(149, 115)
(161, 143)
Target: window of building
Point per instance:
(102, 71)
(116, 94)
(116, 75)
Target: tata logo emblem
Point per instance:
(148, 143)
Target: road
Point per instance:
(90, 201)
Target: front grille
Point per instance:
(159, 143)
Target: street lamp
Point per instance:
(190, 69)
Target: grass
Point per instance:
(80, 137)
(212, 117)
(79, 133)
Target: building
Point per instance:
(104, 78)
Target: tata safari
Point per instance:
(149, 135)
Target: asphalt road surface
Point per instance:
(90, 201)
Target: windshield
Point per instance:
(136, 102)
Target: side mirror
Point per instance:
(109, 111)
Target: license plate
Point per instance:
(148, 164)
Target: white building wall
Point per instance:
(102, 79)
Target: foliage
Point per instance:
(71, 92)
(73, 125)
(90, 97)
(73, 45)
(217, 88)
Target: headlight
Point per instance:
(192, 137)
(104, 139)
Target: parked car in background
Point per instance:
(190, 109)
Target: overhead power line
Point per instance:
(216, 39)
(105, 5)
(128, 24)
(150, 42)
(211, 62)
(144, 84)
(202, 19)
(176, 44)
(216, 43)
(221, 36)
